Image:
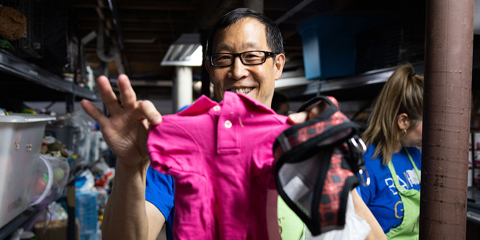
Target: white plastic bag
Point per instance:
(355, 227)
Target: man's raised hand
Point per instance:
(125, 129)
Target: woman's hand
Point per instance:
(125, 130)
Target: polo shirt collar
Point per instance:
(204, 104)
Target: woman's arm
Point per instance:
(362, 210)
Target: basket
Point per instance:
(30, 45)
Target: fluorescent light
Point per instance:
(186, 51)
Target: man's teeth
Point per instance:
(242, 90)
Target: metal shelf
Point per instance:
(13, 225)
(301, 87)
(18, 67)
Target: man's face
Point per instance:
(257, 81)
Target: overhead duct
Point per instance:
(100, 46)
(292, 11)
(114, 54)
(89, 37)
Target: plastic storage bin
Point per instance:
(20, 142)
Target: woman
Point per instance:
(392, 158)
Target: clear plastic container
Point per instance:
(50, 180)
(20, 142)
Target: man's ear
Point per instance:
(279, 63)
(207, 66)
(403, 121)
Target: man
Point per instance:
(232, 66)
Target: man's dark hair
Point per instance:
(278, 99)
(274, 37)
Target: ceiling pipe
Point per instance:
(292, 11)
(89, 37)
(100, 46)
(118, 64)
(113, 7)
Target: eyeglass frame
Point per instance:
(267, 54)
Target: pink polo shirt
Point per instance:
(220, 155)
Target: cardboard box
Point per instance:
(56, 229)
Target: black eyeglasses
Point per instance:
(247, 58)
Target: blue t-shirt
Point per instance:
(159, 191)
(381, 196)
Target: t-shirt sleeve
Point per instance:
(159, 191)
(367, 193)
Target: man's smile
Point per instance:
(244, 90)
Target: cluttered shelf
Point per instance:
(13, 225)
(23, 70)
(473, 204)
(39, 172)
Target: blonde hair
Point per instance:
(402, 93)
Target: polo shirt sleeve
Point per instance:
(172, 148)
(159, 191)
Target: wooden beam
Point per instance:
(212, 9)
(136, 27)
(145, 5)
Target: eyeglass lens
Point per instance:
(247, 58)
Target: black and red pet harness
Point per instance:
(316, 164)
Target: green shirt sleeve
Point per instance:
(290, 225)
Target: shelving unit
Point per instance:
(13, 225)
(22, 80)
(22, 70)
(344, 88)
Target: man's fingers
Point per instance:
(310, 113)
(108, 96)
(150, 112)
(296, 118)
(314, 112)
(127, 95)
(93, 112)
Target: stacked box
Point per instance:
(56, 229)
